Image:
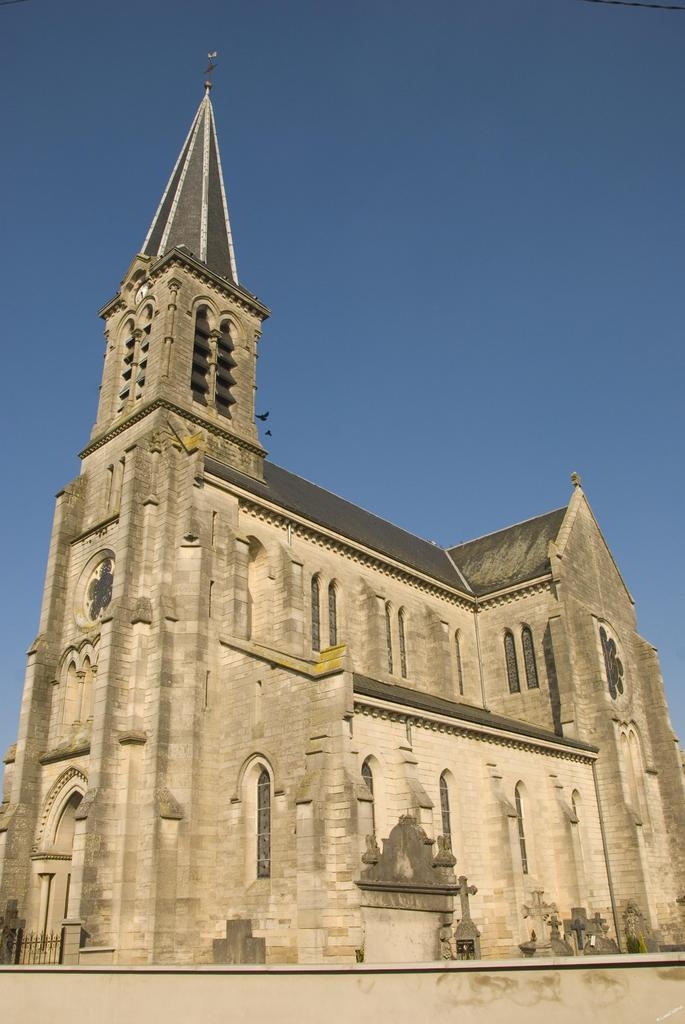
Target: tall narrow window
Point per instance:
(224, 365)
(367, 776)
(403, 643)
(521, 830)
(388, 637)
(445, 807)
(332, 615)
(457, 656)
(316, 614)
(263, 825)
(529, 659)
(512, 664)
(199, 378)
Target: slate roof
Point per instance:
(365, 686)
(501, 559)
(193, 211)
(324, 508)
(510, 556)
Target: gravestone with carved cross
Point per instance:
(466, 934)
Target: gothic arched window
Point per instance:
(401, 618)
(529, 659)
(332, 615)
(512, 664)
(457, 655)
(316, 614)
(367, 776)
(445, 807)
(388, 637)
(263, 824)
(521, 828)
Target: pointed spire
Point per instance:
(193, 211)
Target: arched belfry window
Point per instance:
(457, 656)
(127, 365)
(521, 828)
(143, 352)
(223, 399)
(530, 665)
(264, 824)
(199, 378)
(388, 637)
(512, 664)
(445, 807)
(367, 776)
(316, 613)
(332, 615)
(401, 620)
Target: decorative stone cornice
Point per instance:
(437, 723)
(516, 593)
(349, 549)
(164, 403)
(66, 751)
(99, 529)
(176, 258)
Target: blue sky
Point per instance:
(467, 218)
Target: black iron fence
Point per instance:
(33, 947)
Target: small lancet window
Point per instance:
(457, 655)
(199, 378)
(332, 615)
(521, 831)
(367, 776)
(529, 659)
(225, 364)
(403, 644)
(263, 824)
(388, 637)
(445, 807)
(512, 664)
(316, 614)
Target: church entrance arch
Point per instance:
(53, 855)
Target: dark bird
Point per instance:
(267, 433)
(262, 416)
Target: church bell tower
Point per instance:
(100, 792)
(181, 331)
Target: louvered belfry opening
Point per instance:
(224, 365)
(199, 379)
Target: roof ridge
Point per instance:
(361, 508)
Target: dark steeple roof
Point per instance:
(193, 211)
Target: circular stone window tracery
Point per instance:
(612, 664)
(98, 589)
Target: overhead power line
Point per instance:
(637, 3)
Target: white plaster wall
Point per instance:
(649, 989)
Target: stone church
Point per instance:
(261, 724)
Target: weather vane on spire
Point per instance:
(210, 68)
